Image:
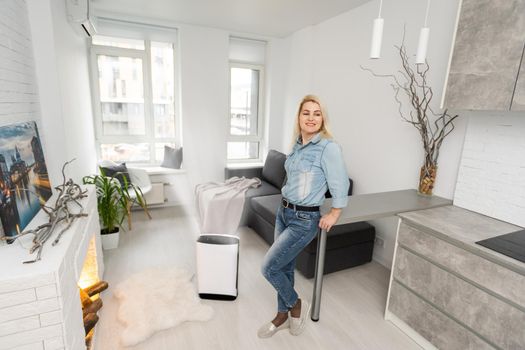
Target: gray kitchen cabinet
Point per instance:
(488, 48)
(452, 292)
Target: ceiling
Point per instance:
(275, 18)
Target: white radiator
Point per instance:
(156, 195)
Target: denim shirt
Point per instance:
(313, 168)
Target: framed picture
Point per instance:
(24, 182)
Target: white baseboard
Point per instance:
(379, 259)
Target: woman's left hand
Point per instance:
(329, 220)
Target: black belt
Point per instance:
(289, 205)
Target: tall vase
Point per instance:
(427, 177)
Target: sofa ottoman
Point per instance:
(347, 245)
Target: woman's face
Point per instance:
(310, 118)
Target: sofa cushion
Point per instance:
(172, 157)
(262, 191)
(273, 170)
(266, 207)
(118, 171)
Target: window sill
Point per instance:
(158, 170)
(244, 165)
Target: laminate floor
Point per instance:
(351, 310)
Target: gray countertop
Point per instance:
(378, 205)
(464, 228)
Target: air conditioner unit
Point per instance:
(78, 13)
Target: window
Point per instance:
(245, 118)
(134, 94)
(246, 100)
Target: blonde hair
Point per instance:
(325, 129)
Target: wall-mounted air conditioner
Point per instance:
(78, 13)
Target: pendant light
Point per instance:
(377, 35)
(423, 40)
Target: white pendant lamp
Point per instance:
(423, 40)
(377, 35)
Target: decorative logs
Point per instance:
(96, 288)
(92, 308)
(84, 298)
(90, 321)
(89, 339)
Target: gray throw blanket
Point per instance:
(220, 204)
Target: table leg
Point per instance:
(318, 282)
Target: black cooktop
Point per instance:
(510, 244)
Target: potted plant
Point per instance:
(113, 202)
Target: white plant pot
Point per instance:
(110, 240)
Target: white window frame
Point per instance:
(260, 114)
(149, 136)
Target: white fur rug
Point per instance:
(157, 299)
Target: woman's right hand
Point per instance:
(329, 220)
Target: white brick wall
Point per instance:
(54, 343)
(491, 178)
(34, 346)
(16, 298)
(18, 96)
(42, 309)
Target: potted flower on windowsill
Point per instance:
(113, 202)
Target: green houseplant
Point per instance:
(114, 201)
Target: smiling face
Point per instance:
(310, 120)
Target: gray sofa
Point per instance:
(347, 245)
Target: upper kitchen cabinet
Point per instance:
(488, 50)
(518, 100)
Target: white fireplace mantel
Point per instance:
(39, 302)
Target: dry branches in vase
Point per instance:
(432, 127)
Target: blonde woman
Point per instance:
(314, 165)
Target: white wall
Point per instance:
(63, 85)
(277, 67)
(300, 80)
(204, 88)
(382, 152)
(75, 92)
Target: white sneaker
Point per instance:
(269, 329)
(297, 323)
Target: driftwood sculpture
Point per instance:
(432, 127)
(69, 194)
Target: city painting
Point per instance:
(24, 182)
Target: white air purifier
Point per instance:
(217, 266)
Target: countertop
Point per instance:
(463, 228)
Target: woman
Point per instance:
(314, 165)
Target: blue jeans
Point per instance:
(294, 230)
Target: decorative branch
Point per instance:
(414, 84)
(69, 193)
